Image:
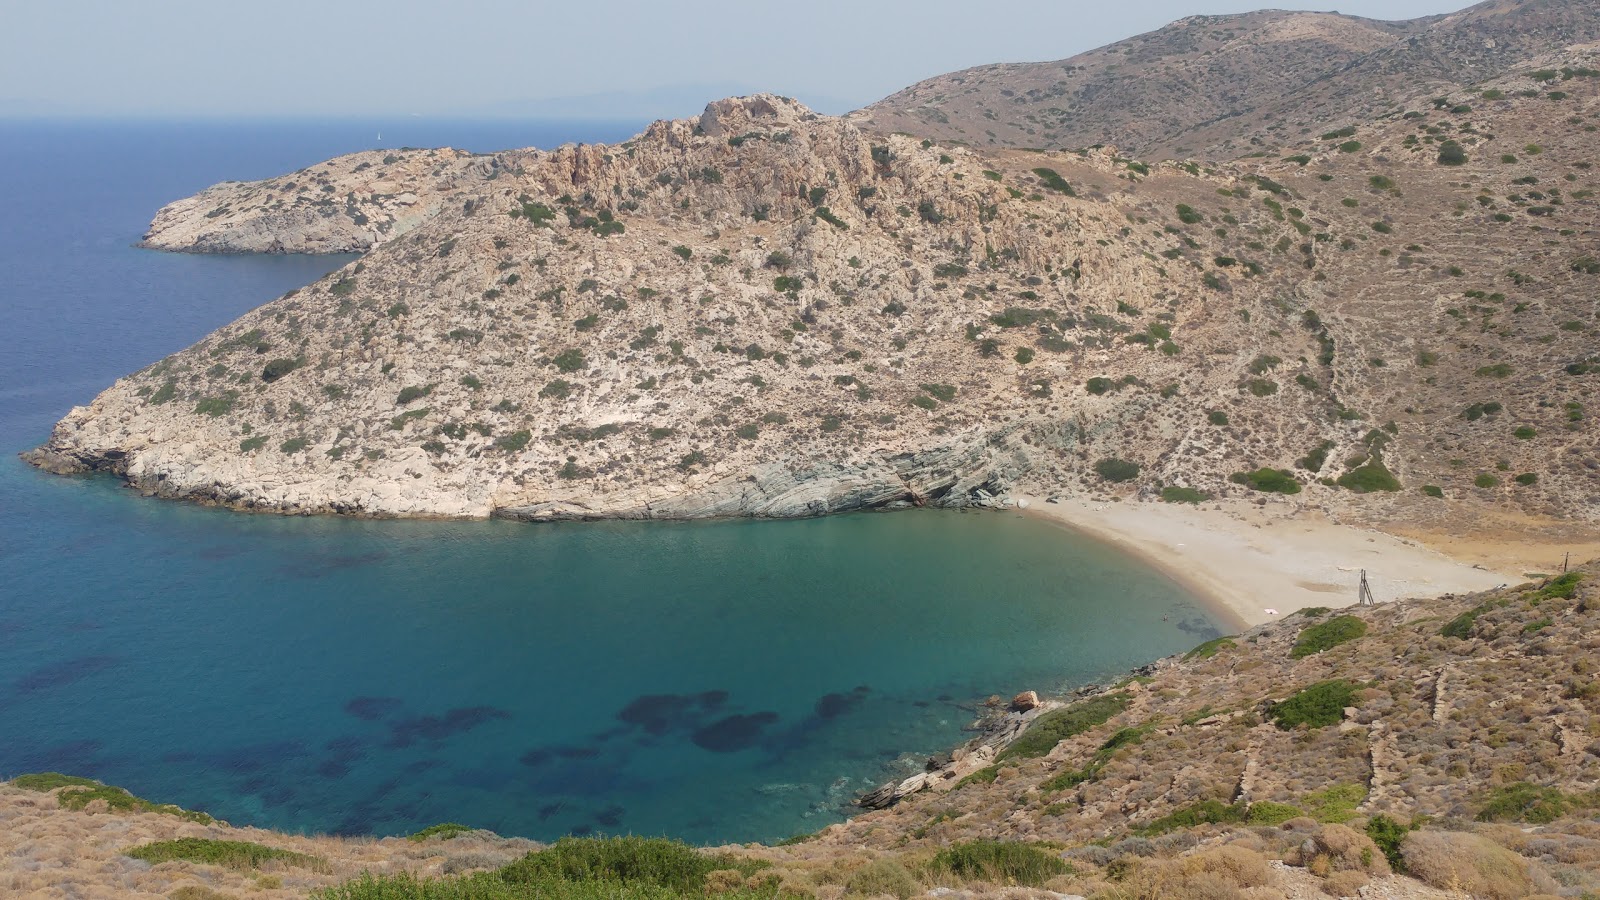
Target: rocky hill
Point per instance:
(1435, 748)
(764, 311)
(1217, 87)
(345, 205)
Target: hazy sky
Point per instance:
(470, 57)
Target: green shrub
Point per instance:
(1054, 181)
(1268, 813)
(1099, 385)
(623, 860)
(1056, 726)
(570, 361)
(985, 775)
(1188, 216)
(294, 445)
(945, 392)
(559, 389)
(1562, 587)
(1272, 481)
(1210, 648)
(411, 393)
(443, 831)
(1525, 433)
(1000, 862)
(1452, 153)
(278, 368)
(219, 405)
(1433, 490)
(1336, 804)
(1317, 706)
(1116, 470)
(1527, 479)
(1175, 494)
(1327, 635)
(233, 854)
(1388, 835)
(1262, 387)
(1586, 265)
(1485, 480)
(1524, 802)
(514, 442)
(1373, 476)
(251, 444)
(1498, 370)
(78, 793)
(1349, 146)
(1206, 812)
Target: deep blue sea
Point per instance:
(710, 681)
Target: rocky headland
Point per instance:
(763, 311)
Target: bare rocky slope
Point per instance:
(763, 311)
(1219, 87)
(1434, 748)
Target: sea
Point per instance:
(710, 681)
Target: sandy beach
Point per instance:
(1259, 563)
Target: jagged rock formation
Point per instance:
(768, 312)
(1217, 87)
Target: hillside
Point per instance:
(764, 311)
(1432, 748)
(1218, 87)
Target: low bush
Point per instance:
(883, 877)
(1272, 481)
(78, 793)
(1324, 636)
(233, 854)
(1373, 476)
(1054, 181)
(1469, 863)
(1176, 494)
(657, 862)
(1524, 802)
(443, 831)
(1266, 812)
(1336, 803)
(1210, 648)
(1206, 812)
(1054, 727)
(1318, 706)
(1000, 862)
(1116, 470)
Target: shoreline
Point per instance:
(1252, 565)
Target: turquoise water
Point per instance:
(711, 681)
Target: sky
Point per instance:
(471, 58)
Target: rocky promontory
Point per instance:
(764, 311)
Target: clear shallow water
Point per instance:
(711, 681)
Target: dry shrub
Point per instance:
(883, 876)
(1345, 850)
(1344, 884)
(1238, 866)
(1472, 863)
(198, 892)
(1191, 878)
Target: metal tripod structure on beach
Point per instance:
(1364, 592)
